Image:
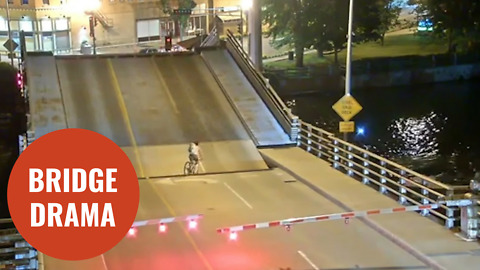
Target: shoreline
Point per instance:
(333, 81)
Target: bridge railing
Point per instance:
(15, 251)
(390, 178)
(282, 113)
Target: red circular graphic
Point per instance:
(84, 173)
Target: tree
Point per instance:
(338, 29)
(319, 17)
(457, 21)
(328, 22)
(389, 11)
(286, 20)
(375, 17)
(182, 4)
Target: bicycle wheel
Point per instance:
(186, 168)
(195, 168)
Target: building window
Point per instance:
(24, 2)
(46, 2)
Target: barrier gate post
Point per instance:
(470, 214)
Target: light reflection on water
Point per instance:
(432, 129)
(416, 137)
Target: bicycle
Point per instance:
(190, 168)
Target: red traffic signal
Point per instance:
(168, 43)
(19, 80)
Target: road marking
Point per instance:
(308, 260)
(170, 181)
(104, 262)
(164, 85)
(126, 118)
(185, 231)
(238, 195)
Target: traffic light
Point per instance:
(182, 11)
(239, 28)
(168, 43)
(20, 80)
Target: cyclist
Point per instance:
(194, 152)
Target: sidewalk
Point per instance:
(435, 245)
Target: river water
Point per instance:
(433, 129)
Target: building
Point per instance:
(62, 26)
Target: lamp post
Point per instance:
(348, 74)
(9, 33)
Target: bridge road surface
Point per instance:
(234, 199)
(153, 107)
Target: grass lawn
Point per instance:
(395, 45)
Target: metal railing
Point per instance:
(275, 104)
(390, 178)
(15, 251)
(104, 20)
(211, 39)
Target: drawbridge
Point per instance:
(153, 106)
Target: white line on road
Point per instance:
(238, 195)
(104, 262)
(308, 260)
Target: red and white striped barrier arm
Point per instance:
(166, 220)
(346, 215)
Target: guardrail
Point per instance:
(211, 39)
(390, 178)
(282, 113)
(15, 252)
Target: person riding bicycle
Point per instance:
(194, 152)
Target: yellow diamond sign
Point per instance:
(347, 107)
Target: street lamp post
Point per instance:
(348, 72)
(348, 75)
(9, 33)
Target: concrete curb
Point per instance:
(390, 236)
